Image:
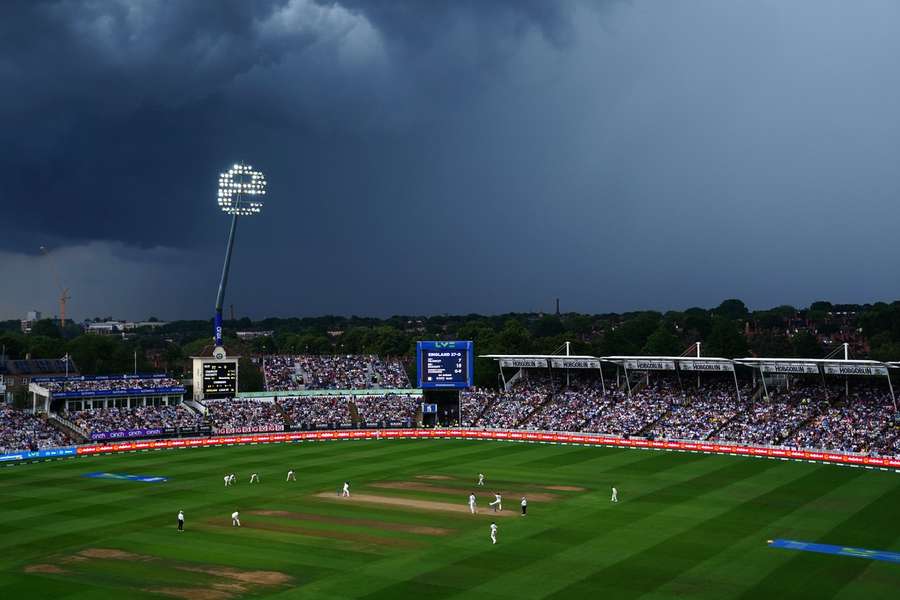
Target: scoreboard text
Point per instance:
(444, 364)
(219, 379)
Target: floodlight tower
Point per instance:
(240, 195)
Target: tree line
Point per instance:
(729, 330)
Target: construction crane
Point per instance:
(63, 291)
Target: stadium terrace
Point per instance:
(835, 405)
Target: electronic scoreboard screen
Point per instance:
(444, 364)
(220, 379)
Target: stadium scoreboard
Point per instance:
(444, 365)
(215, 378)
(219, 379)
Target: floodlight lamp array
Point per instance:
(240, 189)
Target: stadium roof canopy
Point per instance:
(667, 363)
(810, 366)
(543, 361)
(544, 356)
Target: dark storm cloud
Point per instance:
(127, 108)
(618, 154)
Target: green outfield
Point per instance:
(687, 525)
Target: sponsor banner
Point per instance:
(524, 363)
(130, 433)
(536, 436)
(798, 368)
(37, 454)
(126, 477)
(574, 363)
(650, 365)
(706, 365)
(119, 392)
(839, 368)
(883, 555)
(332, 393)
(231, 430)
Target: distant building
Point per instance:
(118, 327)
(105, 327)
(132, 325)
(31, 317)
(252, 335)
(16, 375)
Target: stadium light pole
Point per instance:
(240, 192)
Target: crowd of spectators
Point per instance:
(803, 415)
(853, 417)
(700, 412)
(389, 375)
(389, 407)
(504, 409)
(770, 420)
(860, 422)
(575, 406)
(333, 372)
(234, 416)
(281, 373)
(20, 430)
(343, 372)
(316, 411)
(125, 382)
(629, 414)
(142, 417)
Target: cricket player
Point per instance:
(180, 521)
(498, 502)
(481, 479)
(524, 504)
(231, 479)
(235, 519)
(346, 491)
(290, 476)
(615, 495)
(493, 533)
(254, 477)
(472, 503)
(227, 480)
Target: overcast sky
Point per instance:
(449, 156)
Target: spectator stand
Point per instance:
(332, 372)
(71, 394)
(550, 363)
(676, 365)
(345, 408)
(780, 370)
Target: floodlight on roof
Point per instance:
(235, 185)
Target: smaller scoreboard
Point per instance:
(447, 365)
(220, 379)
(215, 378)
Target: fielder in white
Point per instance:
(235, 519)
(524, 504)
(227, 480)
(231, 479)
(498, 502)
(481, 479)
(472, 508)
(254, 478)
(615, 495)
(346, 491)
(290, 476)
(493, 533)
